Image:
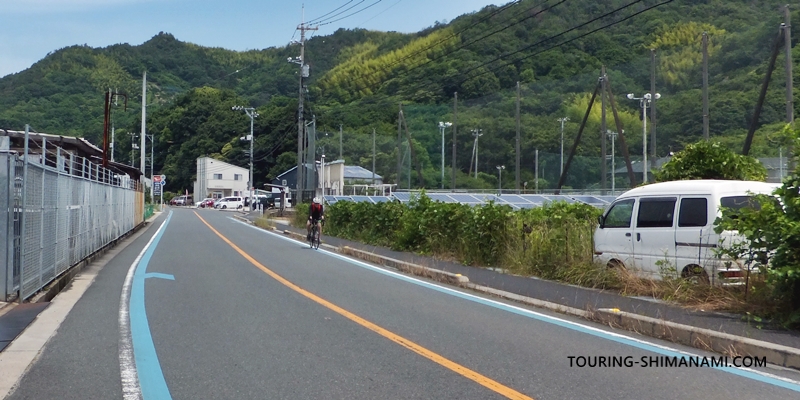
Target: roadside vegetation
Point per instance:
(555, 241)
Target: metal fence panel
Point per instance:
(54, 216)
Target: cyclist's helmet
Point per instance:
(317, 200)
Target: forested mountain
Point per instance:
(359, 78)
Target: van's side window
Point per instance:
(693, 212)
(656, 213)
(619, 216)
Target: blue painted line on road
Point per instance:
(640, 344)
(148, 368)
(159, 275)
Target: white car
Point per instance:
(232, 202)
(672, 224)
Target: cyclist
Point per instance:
(316, 213)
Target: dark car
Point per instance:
(266, 200)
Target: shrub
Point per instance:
(707, 160)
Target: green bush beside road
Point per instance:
(531, 241)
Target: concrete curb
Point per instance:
(704, 339)
(442, 276)
(700, 338)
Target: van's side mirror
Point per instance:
(600, 220)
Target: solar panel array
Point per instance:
(516, 201)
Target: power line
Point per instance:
(384, 10)
(487, 35)
(552, 37)
(452, 35)
(350, 15)
(569, 40)
(334, 10)
(319, 20)
(387, 68)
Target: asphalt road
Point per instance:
(231, 311)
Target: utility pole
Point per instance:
(442, 126)
(518, 145)
(373, 157)
(705, 86)
(311, 157)
(562, 120)
(143, 144)
(652, 111)
(536, 171)
(455, 128)
(112, 142)
(603, 129)
(476, 133)
(340, 142)
(300, 184)
(787, 45)
(399, 144)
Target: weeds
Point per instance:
(553, 242)
(264, 222)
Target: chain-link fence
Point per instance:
(57, 210)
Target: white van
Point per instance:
(233, 202)
(671, 225)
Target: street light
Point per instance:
(644, 101)
(442, 125)
(613, 136)
(562, 120)
(500, 169)
(476, 133)
(251, 112)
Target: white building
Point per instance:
(336, 178)
(217, 179)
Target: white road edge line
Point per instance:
(19, 356)
(127, 362)
(501, 305)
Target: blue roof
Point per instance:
(356, 172)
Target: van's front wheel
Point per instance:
(615, 264)
(695, 274)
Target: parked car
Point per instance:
(207, 202)
(670, 226)
(181, 200)
(265, 200)
(234, 202)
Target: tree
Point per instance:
(772, 242)
(707, 160)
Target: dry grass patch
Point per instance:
(264, 222)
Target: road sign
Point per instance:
(163, 177)
(157, 189)
(157, 179)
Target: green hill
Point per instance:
(358, 79)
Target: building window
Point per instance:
(217, 176)
(237, 177)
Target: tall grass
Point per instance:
(552, 242)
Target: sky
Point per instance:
(34, 28)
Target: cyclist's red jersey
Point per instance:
(316, 211)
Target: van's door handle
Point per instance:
(638, 237)
(628, 234)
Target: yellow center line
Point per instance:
(457, 368)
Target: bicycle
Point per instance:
(314, 242)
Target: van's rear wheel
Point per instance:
(695, 274)
(615, 264)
